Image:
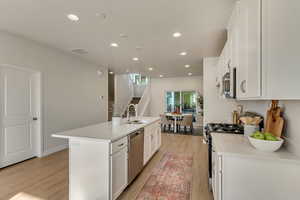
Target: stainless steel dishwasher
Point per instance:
(135, 154)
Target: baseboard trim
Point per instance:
(55, 149)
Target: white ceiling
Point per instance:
(149, 24)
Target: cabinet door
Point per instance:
(153, 142)
(218, 179)
(119, 170)
(249, 70)
(147, 144)
(158, 130)
(280, 49)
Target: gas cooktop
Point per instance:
(224, 128)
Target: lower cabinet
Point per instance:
(147, 145)
(158, 132)
(249, 178)
(118, 167)
(119, 170)
(152, 140)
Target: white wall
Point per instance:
(216, 109)
(291, 116)
(160, 85)
(71, 86)
(123, 91)
(138, 90)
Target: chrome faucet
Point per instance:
(128, 111)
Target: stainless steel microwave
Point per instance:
(229, 84)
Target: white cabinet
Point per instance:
(249, 67)
(248, 178)
(216, 175)
(152, 140)
(147, 145)
(158, 133)
(242, 172)
(268, 45)
(119, 171)
(280, 49)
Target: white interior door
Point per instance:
(19, 115)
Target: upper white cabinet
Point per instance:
(263, 44)
(249, 66)
(280, 49)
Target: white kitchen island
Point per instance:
(98, 159)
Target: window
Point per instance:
(182, 101)
(188, 102)
(139, 79)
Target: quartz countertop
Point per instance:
(233, 144)
(106, 131)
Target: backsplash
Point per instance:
(291, 116)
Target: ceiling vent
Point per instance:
(79, 51)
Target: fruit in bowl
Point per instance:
(258, 135)
(265, 141)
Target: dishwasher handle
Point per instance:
(134, 134)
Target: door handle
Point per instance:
(243, 86)
(34, 118)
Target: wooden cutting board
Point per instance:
(274, 121)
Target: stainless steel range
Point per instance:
(218, 128)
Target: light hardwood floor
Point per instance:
(47, 178)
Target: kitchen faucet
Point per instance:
(128, 111)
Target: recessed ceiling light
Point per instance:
(114, 45)
(111, 72)
(176, 35)
(190, 74)
(161, 76)
(135, 59)
(73, 17)
(123, 35)
(183, 53)
(150, 68)
(186, 66)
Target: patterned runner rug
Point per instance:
(171, 179)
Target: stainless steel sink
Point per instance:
(135, 122)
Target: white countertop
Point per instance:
(106, 131)
(233, 144)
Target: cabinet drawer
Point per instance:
(119, 144)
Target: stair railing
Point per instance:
(144, 102)
(129, 98)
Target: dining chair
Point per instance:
(164, 121)
(187, 121)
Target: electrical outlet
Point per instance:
(101, 98)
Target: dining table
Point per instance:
(176, 116)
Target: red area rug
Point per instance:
(171, 179)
